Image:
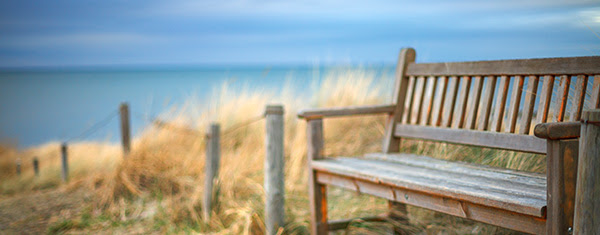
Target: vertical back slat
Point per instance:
(450, 101)
(577, 105)
(515, 102)
(486, 103)
(545, 98)
(417, 100)
(473, 105)
(595, 99)
(438, 103)
(409, 96)
(561, 98)
(461, 103)
(500, 103)
(428, 100)
(528, 105)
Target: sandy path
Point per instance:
(32, 213)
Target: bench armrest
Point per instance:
(557, 130)
(345, 111)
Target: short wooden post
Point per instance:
(125, 131)
(561, 174)
(36, 166)
(317, 192)
(65, 162)
(18, 166)
(587, 195)
(213, 154)
(274, 166)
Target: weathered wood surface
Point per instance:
(317, 192)
(562, 96)
(346, 111)
(461, 103)
(528, 105)
(438, 202)
(213, 156)
(64, 162)
(438, 103)
(561, 176)
(125, 130)
(274, 167)
(473, 105)
(458, 167)
(390, 142)
(500, 104)
(577, 102)
(417, 100)
(513, 107)
(558, 130)
(587, 205)
(516, 192)
(486, 104)
(430, 88)
(546, 66)
(450, 102)
(428, 101)
(545, 98)
(508, 141)
(595, 93)
(408, 99)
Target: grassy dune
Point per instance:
(158, 188)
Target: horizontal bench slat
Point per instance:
(476, 184)
(515, 221)
(546, 66)
(521, 198)
(346, 111)
(468, 169)
(515, 142)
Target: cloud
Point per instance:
(347, 9)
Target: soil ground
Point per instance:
(32, 213)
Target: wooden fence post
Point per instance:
(274, 166)
(65, 162)
(125, 131)
(213, 154)
(587, 203)
(36, 166)
(18, 166)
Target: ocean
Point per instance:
(58, 104)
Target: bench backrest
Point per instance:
(491, 103)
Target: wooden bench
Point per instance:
(466, 103)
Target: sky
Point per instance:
(40, 33)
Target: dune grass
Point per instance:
(158, 187)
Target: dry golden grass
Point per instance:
(158, 187)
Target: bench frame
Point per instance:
(561, 148)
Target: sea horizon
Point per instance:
(45, 104)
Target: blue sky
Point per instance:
(76, 33)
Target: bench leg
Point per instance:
(562, 178)
(317, 192)
(398, 216)
(318, 206)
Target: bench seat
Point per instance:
(452, 187)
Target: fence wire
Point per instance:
(94, 128)
(186, 130)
